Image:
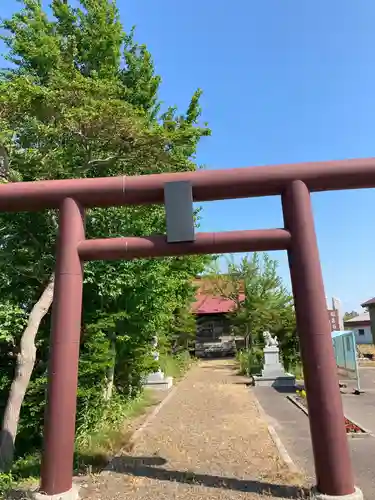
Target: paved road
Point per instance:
(367, 378)
(293, 428)
(361, 408)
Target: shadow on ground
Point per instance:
(29, 467)
(149, 467)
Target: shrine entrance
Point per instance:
(293, 183)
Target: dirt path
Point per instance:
(207, 442)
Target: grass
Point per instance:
(366, 348)
(96, 447)
(249, 362)
(176, 366)
(296, 370)
(24, 474)
(6, 483)
(93, 450)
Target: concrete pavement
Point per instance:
(361, 408)
(292, 426)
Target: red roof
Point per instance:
(208, 304)
(368, 302)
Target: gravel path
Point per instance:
(207, 442)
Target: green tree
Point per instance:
(183, 329)
(350, 315)
(261, 300)
(81, 101)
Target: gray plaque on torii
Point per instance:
(179, 211)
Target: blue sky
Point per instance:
(283, 81)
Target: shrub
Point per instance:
(6, 483)
(250, 362)
(176, 366)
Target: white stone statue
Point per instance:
(269, 340)
(157, 380)
(155, 352)
(273, 373)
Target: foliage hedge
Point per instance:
(80, 99)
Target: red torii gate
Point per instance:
(294, 183)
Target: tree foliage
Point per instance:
(80, 99)
(261, 300)
(350, 315)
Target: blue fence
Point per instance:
(346, 355)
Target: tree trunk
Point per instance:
(248, 339)
(24, 368)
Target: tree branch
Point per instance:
(24, 368)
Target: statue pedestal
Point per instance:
(273, 374)
(158, 381)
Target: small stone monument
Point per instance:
(273, 373)
(158, 380)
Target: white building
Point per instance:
(361, 326)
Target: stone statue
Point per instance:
(155, 353)
(157, 380)
(273, 373)
(269, 340)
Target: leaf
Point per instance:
(81, 100)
